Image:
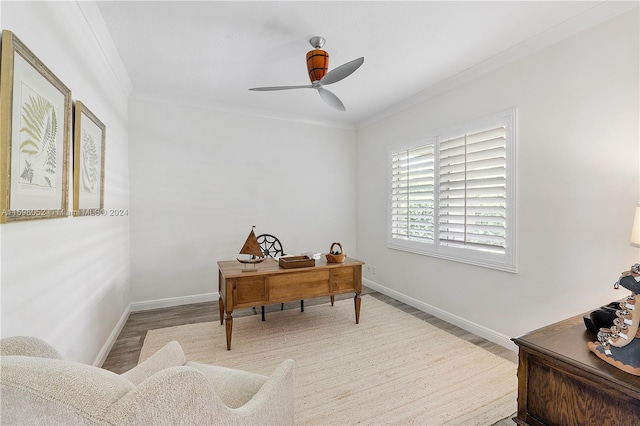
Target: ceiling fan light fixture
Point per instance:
(317, 59)
(317, 64)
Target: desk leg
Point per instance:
(221, 306)
(356, 302)
(229, 327)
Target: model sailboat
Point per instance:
(252, 249)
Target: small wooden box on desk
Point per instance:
(561, 382)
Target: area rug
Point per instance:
(392, 368)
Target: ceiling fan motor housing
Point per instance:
(317, 64)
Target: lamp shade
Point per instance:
(635, 230)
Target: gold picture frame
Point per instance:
(35, 133)
(89, 137)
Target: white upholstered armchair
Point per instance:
(38, 387)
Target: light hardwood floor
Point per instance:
(126, 350)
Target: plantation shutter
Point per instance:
(412, 194)
(472, 191)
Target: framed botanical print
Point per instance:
(35, 133)
(88, 163)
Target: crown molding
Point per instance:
(94, 18)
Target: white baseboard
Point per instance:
(478, 330)
(106, 348)
(145, 306)
(173, 301)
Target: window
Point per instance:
(453, 195)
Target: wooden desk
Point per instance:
(272, 284)
(561, 382)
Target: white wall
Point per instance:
(578, 182)
(67, 280)
(200, 178)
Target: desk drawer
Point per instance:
(249, 290)
(287, 287)
(343, 279)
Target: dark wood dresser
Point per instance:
(561, 382)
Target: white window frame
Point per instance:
(501, 261)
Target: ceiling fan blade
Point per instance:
(265, 89)
(341, 72)
(331, 99)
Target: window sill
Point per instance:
(476, 261)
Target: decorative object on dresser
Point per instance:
(336, 254)
(296, 262)
(252, 249)
(619, 344)
(617, 324)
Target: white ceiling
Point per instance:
(211, 52)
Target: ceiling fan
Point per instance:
(317, 65)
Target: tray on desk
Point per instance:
(296, 262)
